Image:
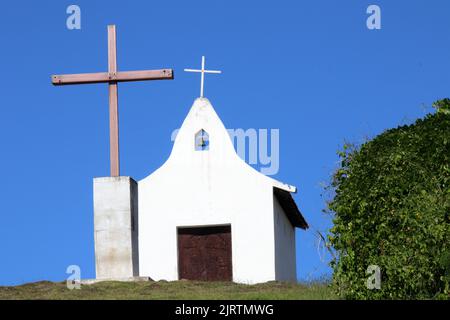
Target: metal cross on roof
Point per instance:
(202, 71)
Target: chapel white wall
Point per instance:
(197, 188)
(285, 253)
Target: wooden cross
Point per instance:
(202, 71)
(112, 77)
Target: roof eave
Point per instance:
(290, 208)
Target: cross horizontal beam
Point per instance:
(205, 71)
(121, 76)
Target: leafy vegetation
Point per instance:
(170, 290)
(391, 208)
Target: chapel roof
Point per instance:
(290, 208)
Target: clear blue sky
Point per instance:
(309, 68)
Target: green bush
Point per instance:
(391, 208)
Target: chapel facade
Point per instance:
(205, 214)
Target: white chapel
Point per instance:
(205, 214)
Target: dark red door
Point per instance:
(204, 253)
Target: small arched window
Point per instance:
(201, 140)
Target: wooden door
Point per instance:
(204, 253)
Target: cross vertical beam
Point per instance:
(202, 71)
(113, 104)
(202, 80)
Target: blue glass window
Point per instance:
(201, 140)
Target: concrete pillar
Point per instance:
(116, 227)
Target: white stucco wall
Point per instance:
(285, 262)
(214, 187)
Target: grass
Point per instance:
(169, 290)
